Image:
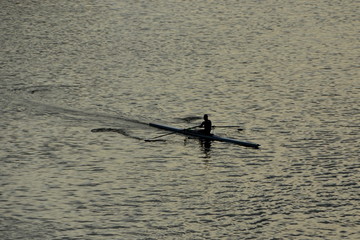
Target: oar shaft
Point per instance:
(169, 134)
(230, 126)
(226, 126)
(162, 135)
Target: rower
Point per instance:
(206, 124)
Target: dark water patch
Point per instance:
(116, 130)
(190, 119)
(42, 88)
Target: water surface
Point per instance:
(285, 71)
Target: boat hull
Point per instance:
(204, 136)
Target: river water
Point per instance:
(80, 80)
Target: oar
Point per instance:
(239, 129)
(151, 139)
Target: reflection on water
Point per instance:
(205, 147)
(285, 70)
(204, 144)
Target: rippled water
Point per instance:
(80, 80)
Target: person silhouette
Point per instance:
(206, 124)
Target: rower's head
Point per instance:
(206, 117)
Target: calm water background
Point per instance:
(286, 71)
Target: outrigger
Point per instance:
(211, 137)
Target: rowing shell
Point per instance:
(204, 136)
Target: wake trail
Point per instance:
(33, 107)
